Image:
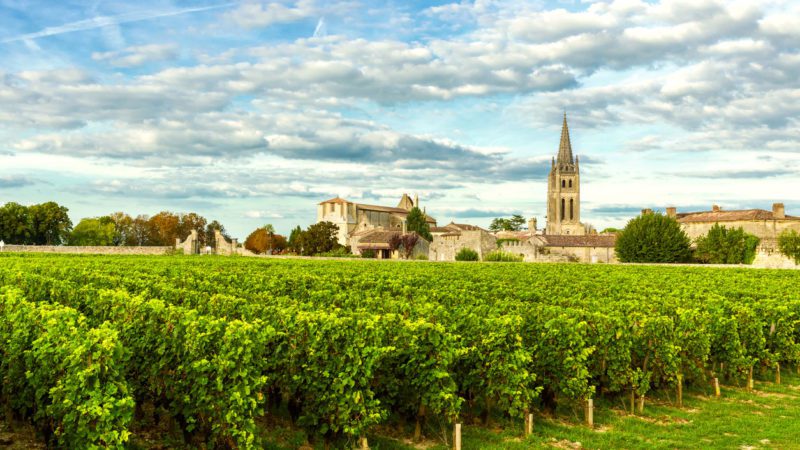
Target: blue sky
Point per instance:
(251, 112)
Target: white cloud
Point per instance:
(138, 55)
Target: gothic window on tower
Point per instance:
(571, 209)
(563, 204)
(570, 183)
(563, 183)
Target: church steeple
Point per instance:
(565, 148)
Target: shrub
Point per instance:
(653, 237)
(421, 257)
(369, 253)
(789, 245)
(261, 241)
(502, 241)
(467, 254)
(339, 252)
(726, 246)
(501, 256)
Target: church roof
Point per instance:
(565, 147)
(572, 240)
(729, 216)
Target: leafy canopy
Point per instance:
(515, 223)
(415, 221)
(655, 238)
(789, 244)
(726, 246)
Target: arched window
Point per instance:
(563, 183)
(563, 203)
(570, 183)
(571, 209)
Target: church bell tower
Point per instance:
(564, 190)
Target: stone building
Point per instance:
(451, 238)
(379, 241)
(352, 218)
(564, 190)
(766, 225)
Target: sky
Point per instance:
(252, 112)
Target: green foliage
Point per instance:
(42, 224)
(93, 231)
(515, 223)
(319, 238)
(416, 221)
(215, 344)
(421, 257)
(338, 252)
(64, 375)
(501, 256)
(467, 254)
(653, 238)
(294, 243)
(723, 245)
(610, 230)
(368, 254)
(789, 244)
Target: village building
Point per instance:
(380, 242)
(353, 219)
(766, 225)
(451, 238)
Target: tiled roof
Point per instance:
(728, 216)
(588, 240)
(440, 230)
(463, 226)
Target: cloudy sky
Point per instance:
(252, 112)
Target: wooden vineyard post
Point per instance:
(590, 413)
(457, 436)
(641, 404)
(716, 387)
(528, 423)
(680, 391)
(750, 379)
(633, 400)
(363, 444)
(778, 374)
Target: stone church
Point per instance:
(564, 190)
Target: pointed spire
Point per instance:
(565, 148)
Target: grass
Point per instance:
(764, 419)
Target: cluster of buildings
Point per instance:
(364, 227)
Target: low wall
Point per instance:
(101, 250)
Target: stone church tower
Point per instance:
(564, 190)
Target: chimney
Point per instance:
(672, 212)
(532, 224)
(715, 208)
(778, 211)
(647, 211)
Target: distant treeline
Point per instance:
(49, 224)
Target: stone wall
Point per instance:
(99, 250)
(445, 247)
(764, 229)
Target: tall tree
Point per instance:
(14, 224)
(142, 232)
(722, 245)
(93, 231)
(123, 228)
(320, 238)
(653, 237)
(209, 239)
(261, 241)
(49, 223)
(191, 221)
(165, 227)
(515, 223)
(416, 221)
(295, 244)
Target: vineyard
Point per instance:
(91, 346)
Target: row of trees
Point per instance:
(43, 224)
(159, 230)
(49, 224)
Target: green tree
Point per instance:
(295, 244)
(789, 244)
(94, 231)
(723, 245)
(653, 237)
(123, 228)
(14, 224)
(416, 221)
(49, 223)
(515, 223)
(209, 238)
(319, 238)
